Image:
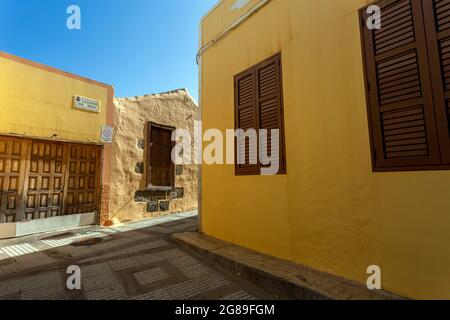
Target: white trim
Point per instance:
(26, 228)
(7, 230)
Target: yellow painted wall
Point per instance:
(38, 103)
(330, 211)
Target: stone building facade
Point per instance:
(131, 198)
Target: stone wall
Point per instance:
(129, 197)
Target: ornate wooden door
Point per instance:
(45, 180)
(13, 154)
(83, 181)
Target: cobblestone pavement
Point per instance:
(136, 261)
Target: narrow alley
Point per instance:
(135, 261)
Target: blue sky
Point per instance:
(139, 46)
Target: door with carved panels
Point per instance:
(45, 180)
(83, 179)
(13, 154)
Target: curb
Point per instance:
(279, 278)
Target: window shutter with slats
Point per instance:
(400, 99)
(245, 113)
(270, 104)
(437, 25)
(259, 105)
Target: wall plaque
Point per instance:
(86, 104)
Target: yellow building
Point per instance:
(360, 188)
(55, 149)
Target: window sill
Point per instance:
(156, 188)
(411, 169)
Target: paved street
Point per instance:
(134, 261)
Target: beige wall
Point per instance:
(175, 109)
(330, 211)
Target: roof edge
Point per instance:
(159, 95)
(50, 69)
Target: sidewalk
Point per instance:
(277, 277)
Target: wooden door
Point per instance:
(161, 170)
(44, 182)
(42, 179)
(13, 154)
(83, 179)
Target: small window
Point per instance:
(160, 168)
(259, 105)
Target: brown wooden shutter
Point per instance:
(245, 118)
(270, 103)
(403, 125)
(259, 105)
(437, 24)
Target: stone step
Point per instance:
(282, 279)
